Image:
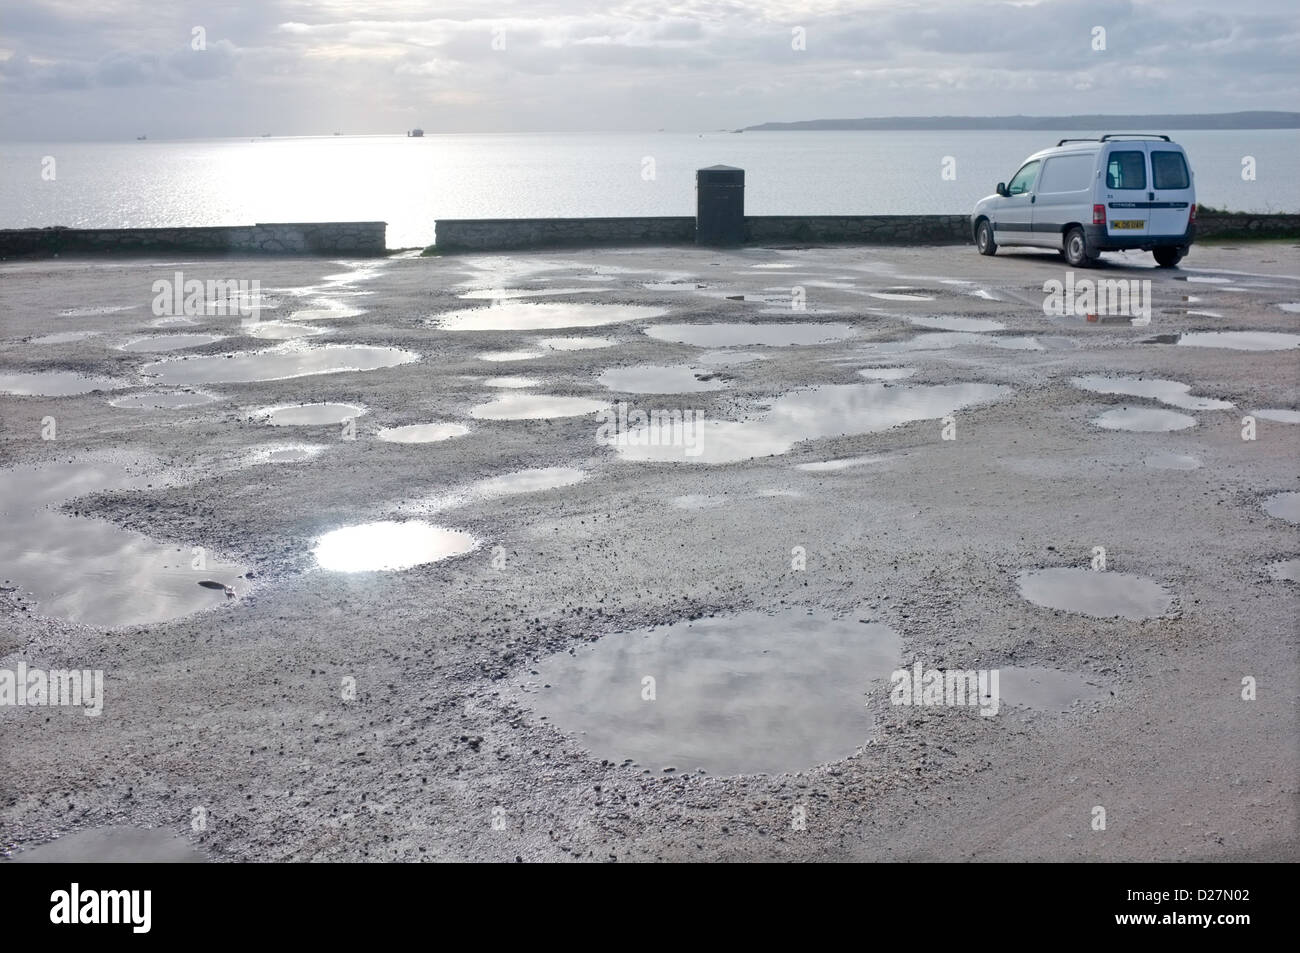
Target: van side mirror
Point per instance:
(1002, 189)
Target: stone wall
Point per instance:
(277, 238)
(860, 229)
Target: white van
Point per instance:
(1086, 196)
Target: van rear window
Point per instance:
(1169, 171)
(1126, 170)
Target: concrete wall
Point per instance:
(278, 238)
(469, 234)
(500, 233)
(1214, 226)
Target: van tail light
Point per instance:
(1191, 218)
(1099, 215)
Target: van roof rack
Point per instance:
(1135, 135)
(1064, 141)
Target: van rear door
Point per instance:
(1125, 185)
(1171, 190)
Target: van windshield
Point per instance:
(1126, 170)
(1169, 170)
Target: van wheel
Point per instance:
(1168, 256)
(984, 238)
(1076, 249)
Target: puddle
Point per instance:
(64, 337)
(844, 463)
(828, 411)
(1172, 461)
(1284, 506)
(505, 294)
(943, 340)
(1241, 340)
(172, 400)
(92, 571)
(1292, 306)
(1099, 594)
(1284, 570)
(54, 383)
(113, 845)
(576, 343)
(422, 433)
(886, 373)
(309, 415)
(513, 383)
(954, 323)
(983, 293)
(1204, 314)
(659, 379)
(673, 285)
(389, 546)
(536, 407)
(280, 363)
(748, 694)
(503, 356)
(530, 316)
(899, 296)
(1143, 420)
(526, 481)
(1167, 392)
(325, 310)
(292, 454)
(1045, 689)
(169, 342)
(1281, 415)
(1207, 281)
(749, 335)
(281, 330)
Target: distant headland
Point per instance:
(1237, 120)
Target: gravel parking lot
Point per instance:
(640, 588)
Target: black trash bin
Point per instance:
(719, 205)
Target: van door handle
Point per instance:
(1033, 199)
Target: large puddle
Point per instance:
(169, 342)
(886, 373)
(536, 407)
(660, 379)
(1143, 420)
(509, 294)
(389, 546)
(1103, 595)
(1280, 415)
(1284, 506)
(752, 693)
(92, 571)
(1241, 340)
(422, 433)
(113, 845)
(164, 400)
(828, 411)
(533, 316)
(749, 335)
(513, 382)
(54, 383)
(326, 310)
(507, 356)
(309, 415)
(1167, 392)
(278, 364)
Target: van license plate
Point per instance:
(1121, 223)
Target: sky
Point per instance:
(115, 69)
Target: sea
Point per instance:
(412, 182)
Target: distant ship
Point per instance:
(141, 138)
(415, 134)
